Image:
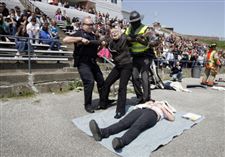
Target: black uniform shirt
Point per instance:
(85, 52)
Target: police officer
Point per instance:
(141, 51)
(85, 55)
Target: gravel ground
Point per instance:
(41, 126)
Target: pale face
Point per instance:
(115, 33)
(88, 25)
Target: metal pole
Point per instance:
(29, 62)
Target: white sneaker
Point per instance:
(35, 55)
(17, 55)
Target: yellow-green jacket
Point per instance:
(136, 47)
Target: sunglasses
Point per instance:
(89, 24)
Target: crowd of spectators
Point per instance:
(25, 23)
(173, 48)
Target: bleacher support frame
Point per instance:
(29, 57)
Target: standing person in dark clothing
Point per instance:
(122, 70)
(140, 49)
(85, 55)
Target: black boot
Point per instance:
(117, 143)
(102, 106)
(110, 101)
(89, 109)
(96, 132)
(119, 115)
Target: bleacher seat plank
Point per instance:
(39, 56)
(39, 51)
(33, 59)
(41, 45)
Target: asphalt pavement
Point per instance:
(41, 126)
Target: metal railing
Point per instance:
(29, 49)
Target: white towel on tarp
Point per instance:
(218, 88)
(178, 87)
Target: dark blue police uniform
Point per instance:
(85, 60)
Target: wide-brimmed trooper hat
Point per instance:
(213, 45)
(135, 16)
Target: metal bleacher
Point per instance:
(36, 56)
(13, 3)
(40, 52)
(51, 9)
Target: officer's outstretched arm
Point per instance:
(69, 39)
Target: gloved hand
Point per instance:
(142, 40)
(131, 38)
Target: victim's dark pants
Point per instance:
(136, 122)
(141, 65)
(122, 72)
(89, 73)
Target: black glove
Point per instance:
(142, 40)
(131, 38)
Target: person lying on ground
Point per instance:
(142, 117)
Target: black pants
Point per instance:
(122, 72)
(141, 65)
(89, 73)
(136, 122)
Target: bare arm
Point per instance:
(168, 115)
(69, 39)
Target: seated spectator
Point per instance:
(176, 72)
(21, 43)
(11, 23)
(170, 58)
(33, 29)
(33, 15)
(66, 4)
(3, 10)
(22, 20)
(64, 15)
(46, 38)
(58, 15)
(28, 12)
(200, 59)
(68, 25)
(44, 19)
(75, 24)
(3, 29)
(54, 29)
(141, 118)
(184, 59)
(17, 12)
(37, 12)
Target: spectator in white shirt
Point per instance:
(33, 29)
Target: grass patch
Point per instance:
(76, 85)
(220, 44)
(22, 94)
